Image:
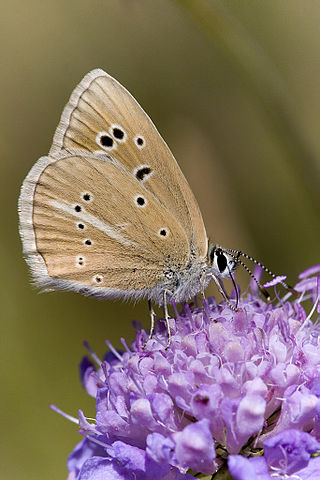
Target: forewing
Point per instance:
(86, 222)
(101, 115)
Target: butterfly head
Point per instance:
(221, 263)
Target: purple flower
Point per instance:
(239, 387)
(287, 455)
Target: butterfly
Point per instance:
(109, 213)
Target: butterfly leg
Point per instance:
(166, 314)
(203, 296)
(202, 285)
(152, 317)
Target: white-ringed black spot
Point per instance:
(140, 201)
(163, 232)
(106, 141)
(81, 226)
(139, 141)
(143, 172)
(118, 133)
(78, 208)
(87, 196)
(80, 261)
(98, 278)
(88, 242)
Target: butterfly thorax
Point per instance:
(181, 284)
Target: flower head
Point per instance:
(230, 385)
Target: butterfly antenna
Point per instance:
(237, 259)
(239, 253)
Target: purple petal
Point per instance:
(289, 451)
(241, 468)
(81, 453)
(88, 376)
(228, 412)
(250, 415)
(306, 285)
(131, 458)
(141, 413)
(275, 281)
(205, 403)
(298, 410)
(97, 468)
(160, 448)
(255, 387)
(315, 387)
(178, 385)
(72, 476)
(257, 273)
(108, 421)
(195, 447)
(309, 271)
(285, 375)
(112, 423)
(162, 409)
(159, 453)
(311, 471)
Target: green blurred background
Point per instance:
(234, 89)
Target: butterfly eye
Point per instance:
(118, 133)
(219, 258)
(139, 141)
(222, 262)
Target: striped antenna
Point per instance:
(261, 288)
(237, 259)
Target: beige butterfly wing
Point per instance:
(99, 112)
(89, 225)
